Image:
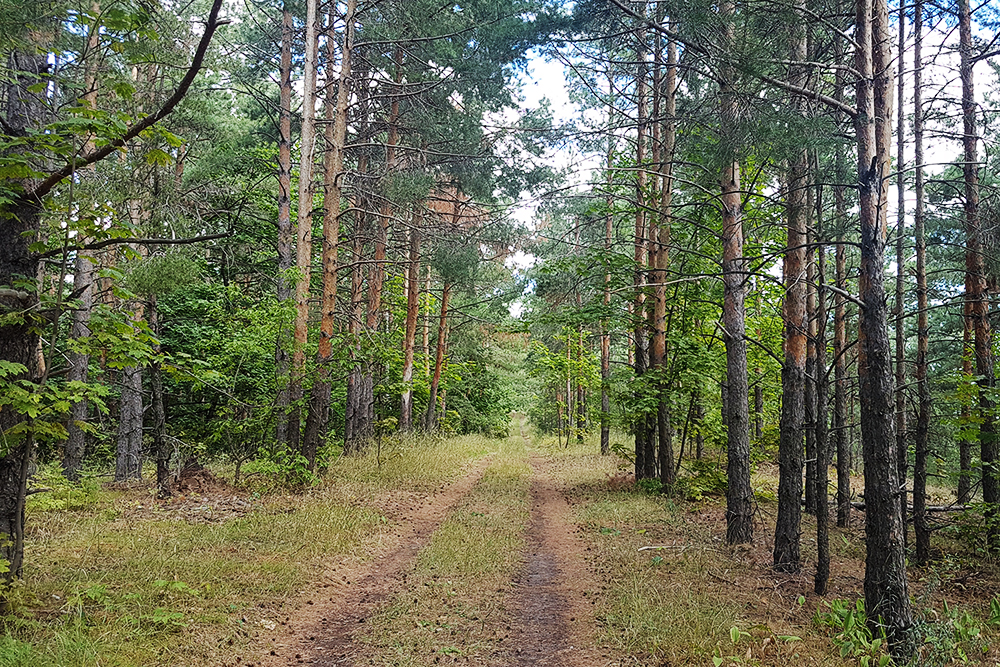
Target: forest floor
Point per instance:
(470, 551)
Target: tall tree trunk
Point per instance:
(898, 316)
(964, 491)
(787, 550)
(430, 418)
(739, 496)
(412, 313)
(976, 291)
(809, 391)
(83, 278)
(76, 441)
(335, 135)
(605, 326)
(822, 435)
(921, 444)
(128, 458)
(662, 241)
(887, 599)
(159, 408)
(18, 340)
(303, 248)
(354, 433)
(840, 388)
(758, 407)
(642, 435)
(281, 359)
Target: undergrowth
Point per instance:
(114, 578)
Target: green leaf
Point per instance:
(734, 634)
(11, 368)
(158, 157)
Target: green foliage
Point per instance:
(44, 407)
(60, 494)
(281, 469)
(953, 636)
(162, 274)
(852, 636)
(705, 478)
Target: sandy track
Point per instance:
(321, 631)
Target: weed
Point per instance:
(58, 493)
(954, 636)
(706, 479)
(852, 635)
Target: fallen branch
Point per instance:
(929, 508)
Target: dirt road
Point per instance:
(545, 617)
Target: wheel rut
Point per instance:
(552, 621)
(332, 613)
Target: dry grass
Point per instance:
(116, 581)
(678, 605)
(452, 605)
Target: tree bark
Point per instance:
(412, 313)
(976, 291)
(809, 390)
(822, 577)
(128, 458)
(281, 358)
(921, 528)
(739, 496)
(76, 441)
(605, 326)
(668, 472)
(642, 435)
(898, 316)
(887, 599)
(335, 136)
(159, 408)
(303, 247)
(787, 550)
(430, 418)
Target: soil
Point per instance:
(550, 617)
(336, 608)
(553, 623)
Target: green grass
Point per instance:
(454, 595)
(108, 581)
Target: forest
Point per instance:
(311, 309)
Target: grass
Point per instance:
(114, 579)
(452, 605)
(677, 605)
(110, 580)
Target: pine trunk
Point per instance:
(76, 441)
(887, 599)
(412, 313)
(898, 316)
(281, 358)
(335, 136)
(303, 248)
(822, 577)
(739, 496)
(976, 291)
(921, 443)
(431, 418)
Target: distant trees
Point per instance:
(773, 152)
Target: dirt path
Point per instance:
(549, 621)
(553, 619)
(333, 610)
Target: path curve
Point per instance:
(322, 631)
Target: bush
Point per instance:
(60, 493)
(706, 479)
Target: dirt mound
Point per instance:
(195, 478)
